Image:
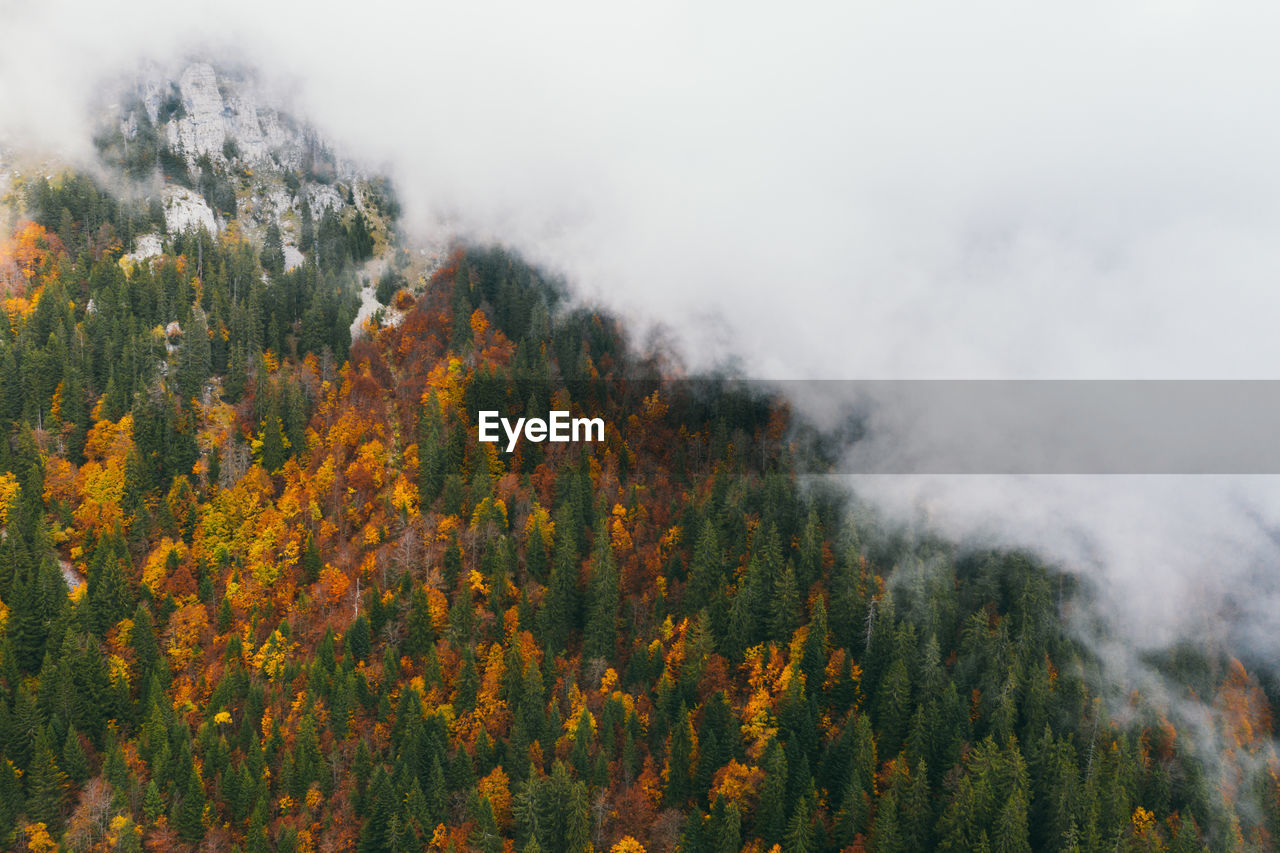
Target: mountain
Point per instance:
(318, 613)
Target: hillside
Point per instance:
(318, 614)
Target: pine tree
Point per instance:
(706, 570)
(886, 833)
(1010, 835)
(436, 791)
(306, 226)
(377, 833)
(601, 634)
(744, 624)
(560, 612)
(272, 257)
(194, 358)
(679, 758)
(74, 761)
(485, 836)
(893, 705)
(152, 805)
(359, 640)
(11, 799)
(110, 598)
(784, 607)
(46, 784)
(771, 813)
(311, 561)
(958, 828)
(725, 827)
(577, 836)
(273, 442)
(813, 661)
(189, 817)
(27, 629)
(421, 633)
(256, 838)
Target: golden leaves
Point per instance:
(333, 585)
(273, 654)
(448, 379)
(155, 569)
(8, 491)
(627, 844)
(186, 627)
(540, 525)
(38, 838)
(497, 787)
(736, 782)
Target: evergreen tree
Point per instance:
(74, 761)
(359, 640)
(194, 358)
(1010, 832)
(110, 598)
(560, 613)
(601, 633)
(706, 570)
(189, 810)
(771, 813)
(272, 256)
(799, 837)
(274, 451)
(11, 798)
(152, 804)
(785, 607)
(311, 561)
(679, 758)
(46, 785)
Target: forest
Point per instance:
(262, 589)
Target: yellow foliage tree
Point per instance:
(497, 787)
(38, 838)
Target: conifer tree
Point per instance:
(560, 612)
(46, 784)
(189, 813)
(706, 569)
(601, 633)
(771, 813)
(74, 761)
(11, 798)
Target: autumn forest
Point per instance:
(263, 590)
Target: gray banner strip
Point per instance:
(1046, 427)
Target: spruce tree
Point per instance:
(886, 832)
(188, 819)
(74, 761)
(601, 635)
(359, 641)
(1010, 832)
(46, 785)
(706, 570)
(11, 798)
(560, 612)
(771, 813)
(679, 758)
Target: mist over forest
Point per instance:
(262, 588)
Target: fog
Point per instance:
(843, 190)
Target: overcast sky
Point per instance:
(845, 189)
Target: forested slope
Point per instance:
(318, 614)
